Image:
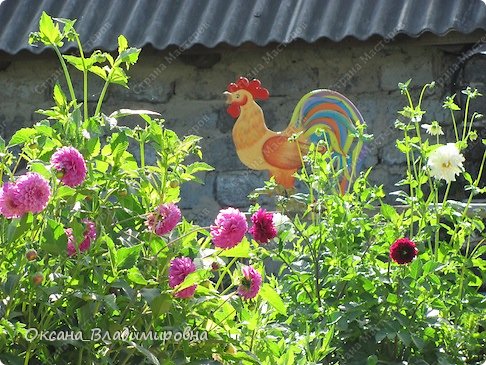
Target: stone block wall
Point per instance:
(187, 91)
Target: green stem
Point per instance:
(411, 189)
(437, 217)
(354, 162)
(142, 151)
(455, 126)
(181, 237)
(85, 78)
(80, 357)
(102, 95)
(284, 260)
(465, 119)
(471, 194)
(311, 190)
(422, 94)
(66, 75)
(28, 353)
(165, 166)
(225, 271)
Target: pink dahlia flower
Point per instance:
(250, 283)
(229, 228)
(70, 163)
(10, 206)
(263, 228)
(89, 237)
(32, 192)
(164, 219)
(403, 251)
(71, 244)
(179, 269)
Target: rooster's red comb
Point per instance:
(254, 87)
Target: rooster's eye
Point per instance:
(237, 96)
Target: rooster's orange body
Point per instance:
(262, 149)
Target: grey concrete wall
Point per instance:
(187, 89)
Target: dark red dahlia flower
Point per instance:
(403, 251)
(263, 228)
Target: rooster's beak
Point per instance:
(228, 97)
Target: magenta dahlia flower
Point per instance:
(89, 236)
(10, 206)
(263, 228)
(164, 219)
(229, 228)
(32, 192)
(70, 163)
(179, 269)
(250, 283)
(403, 251)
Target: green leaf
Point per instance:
(429, 266)
(41, 169)
(404, 86)
(161, 305)
(122, 43)
(148, 355)
(240, 250)
(272, 297)
(110, 301)
(129, 56)
(21, 136)
(68, 30)
(415, 268)
(197, 167)
(127, 112)
(93, 145)
(389, 212)
(74, 61)
(59, 96)
(158, 302)
(380, 335)
(10, 284)
(97, 70)
(119, 77)
(193, 278)
(405, 337)
(55, 238)
(403, 147)
(392, 298)
(418, 341)
(127, 257)
(18, 227)
(135, 276)
(49, 31)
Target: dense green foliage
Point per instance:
(336, 297)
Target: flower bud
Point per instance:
(37, 278)
(31, 255)
(174, 184)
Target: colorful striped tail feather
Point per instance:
(335, 114)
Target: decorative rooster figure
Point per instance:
(262, 149)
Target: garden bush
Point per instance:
(99, 266)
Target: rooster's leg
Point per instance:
(283, 177)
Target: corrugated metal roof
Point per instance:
(185, 23)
